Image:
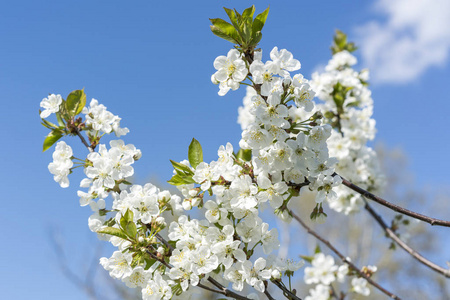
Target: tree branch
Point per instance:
(392, 206)
(402, 244)
(342, 257)
(83, 140)
(225, 291)
(268, 295)
(287, 293)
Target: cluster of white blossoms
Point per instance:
(323, 272)
(307, 156)
(226, 240)
(62, 162)
(348, 107)
(283, 130)
(284, 147)
(99, 119)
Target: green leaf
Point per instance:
(130, 230)
(244, 154)
(222, 35)
(232, 15)
(127, 216)
(75, 102)
(60, 120)
(246, 28)
(137, 257)
(47, 124)
(239, 18)
(225, 30)
(307, 258)
(256, 39)
(259, 21)
(181, 167)
(111, 222)
(353, 104)
(51, 138)
(195, 153)
(128, 225)
(180, 180)
(113, 231)
(247, 14)
(317, 250)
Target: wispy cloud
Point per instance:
(411, 36)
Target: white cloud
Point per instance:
(413, 36)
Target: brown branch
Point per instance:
(268, 295)
(402, 244)
(342, 257)
(392, 206)
(225, 291)
(287, 293)
(83, 140)
(209, 289)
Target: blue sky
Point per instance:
(150, 62)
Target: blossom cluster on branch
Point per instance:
(288, 143)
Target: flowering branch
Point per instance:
(342, 257)
(223, 290)
(368, 195)
(288, 143)
(402, 244)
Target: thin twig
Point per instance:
(162, 240)
(226, 291)
(268, 295)
(392, 206)
(287, 293)
(209, 289)
(84, 141)
(342, 257)
(402, 244)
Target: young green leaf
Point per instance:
(232, 15)
(244, 154)
(127, 216)
(181, 179)
(222, 35)
(317, 250)
(60, 120)
(195, 153)
(260, 20)
(181, 167)
(137, 257)
(247, 14)
(75, 102)
(307, 258)
(225, 30)
(131, 230)
(113, 231)
(51, 138)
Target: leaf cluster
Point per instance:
(340, 43)
(184, 173)
(243, 30)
